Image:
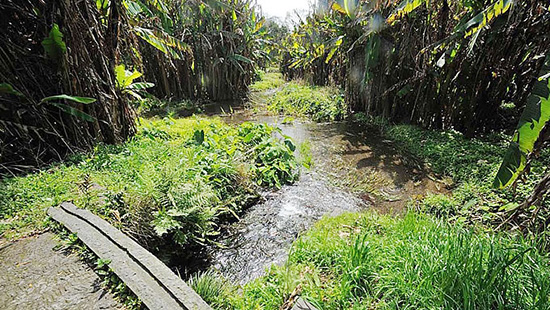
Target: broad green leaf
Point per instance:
(141, 85)
(124, 77)
(134, 8)
(534, 117)
(372, 54)
(53, 44)
(242, 58)
(6, 88)
(163, 42)
(72, 111)
(486, 16)
(84, 100)
(102, 5)
(338, 8)
(404, 8)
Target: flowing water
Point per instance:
(354, 169)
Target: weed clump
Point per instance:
(319, 103)
(178, 179)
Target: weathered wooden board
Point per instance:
(302, 304)
(152, 281)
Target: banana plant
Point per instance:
(8, 89)
(125, 82)
(533, 124)
(53, 100)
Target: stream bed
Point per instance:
(341, 156)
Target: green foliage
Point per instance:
(305, 157)
(268, 80)
(83, 100)
(274, 164)
(368, 261)
(404, 8)
(151, 106)
(534, 118)
(125, 81)
(177, 179)
(6, 88)
(209, 49)
(53, 44)
(70, 110)
(319, 103)
(213, 288)
(449, 153)
(466, 165)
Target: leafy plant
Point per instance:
(53, 44)
(176, 181)
(213, 288)
(125, 81)
(71, 110)
(529, 132)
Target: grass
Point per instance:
(369, 261)
(269, 79)
(294, 98)
(176, 180)
(471, 164)
(318, 103)
(213, 288)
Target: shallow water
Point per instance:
(342, 156)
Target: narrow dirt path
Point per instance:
(35, 276)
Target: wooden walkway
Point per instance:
(152, 281)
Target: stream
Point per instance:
(343, 158)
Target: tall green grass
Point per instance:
(177, 180)
(213, 288)
(269, 79)
(369, 261)
(318, 103)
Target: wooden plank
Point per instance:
(302, 304)
(152, 281)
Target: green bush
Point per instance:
(369, 261)
(319, 103)
(177, 179)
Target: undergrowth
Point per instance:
(268, 80)
(152, 106)
(178, 179)
(470, 164)
(318, 103)
(370, 261)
